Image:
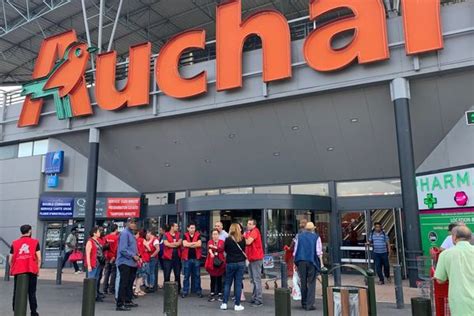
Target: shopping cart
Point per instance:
(272, 268)
(440, 291)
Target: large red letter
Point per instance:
(272, 27)
(369, 43)
(51, 49)
(422, 24)
(167, 74)
(137, 90)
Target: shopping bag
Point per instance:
(296, 291)
(75, 256)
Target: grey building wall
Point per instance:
(20, 187)
(456, 149)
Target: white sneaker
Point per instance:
(77, 272)
(238, 308)
(223, 306)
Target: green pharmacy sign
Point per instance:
(470, 117)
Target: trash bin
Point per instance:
(347, 301)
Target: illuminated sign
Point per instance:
(62, 61)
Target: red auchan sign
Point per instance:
(63, 79)
(123, 207)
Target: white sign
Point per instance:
(451, 189)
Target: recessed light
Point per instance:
(231, 135)
(175, 142)
(138, 147)
(276, 154)
(330, 149)
(354, 120)
(207, 161)
(167, 164)
(295, 128)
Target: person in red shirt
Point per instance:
(154, 245)
(215, 268)
(191, 256)
(254, 251)
(172, 254)
(25, 258)
(110, 256)
(143, 253)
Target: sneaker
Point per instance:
(223, 306)
(238, 308)
(257, 304)
(219, 298)
(381, 282)
(211, 298)
(77, 272)
(122, 308)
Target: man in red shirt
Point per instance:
(172, 254)
(110, 256)
(254, 251)
(25, 258)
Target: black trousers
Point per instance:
(174, 265)
(307, 274)
(216, 284)
(127, 276)
(66, 258)
(109, 277)
(32, 282)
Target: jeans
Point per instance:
(93, 274)
(32, 281)
(192, 269)
(216, 285)
(255, 270)
(174, 265)
(307, 274)
(153, 272)
(234, 272)
(381, 259)
(109, 277)
(66, 258)
(99, 278)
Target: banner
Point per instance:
(123, 207)
(80, 207)
(56, 207)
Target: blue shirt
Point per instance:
(379, 241)
(127, 248)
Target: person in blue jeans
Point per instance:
(191, 256)
(154, 245)
(380, 243)
(234, 247)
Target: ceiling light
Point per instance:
(207, 161)
(175, 142)
(354, 120)
(330, 149)
(295, 128)
(231, 135)
(138, 147)
(276, 154)
(167, 164)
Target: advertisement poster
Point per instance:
(434, 225)
(80, 207)
(123, 207)
(56, 207)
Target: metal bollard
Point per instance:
(21, 294)
(7, 269)
(282, 302)
(325, 284)
(170, 304)
(88, 297)
(59, 271)
(284, 275)
(337, 275)
(397, 271)
(421, 306)
(371, 294)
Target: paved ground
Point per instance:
(66, 299)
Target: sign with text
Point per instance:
(54, 162)
(56, 207)
(123, 207)
(80, 207)
(450, 189)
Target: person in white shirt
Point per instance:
(448, 241)
(222, 233)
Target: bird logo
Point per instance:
(66, 75)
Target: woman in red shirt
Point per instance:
(143, 253)
(215, 267)
(93, 246)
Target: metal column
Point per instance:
(91, 187)
(335, 233)
(400, 93)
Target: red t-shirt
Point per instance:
(254, 251)
(144, 254)
(112, 240)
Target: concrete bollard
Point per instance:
(170, 304)
(421, 306)
(21, 294)
(371, 292)
(7, 269)
(325, 284)
(282, 302)
(88, 297)
(59, 271)
(284, 275)
(397, 271)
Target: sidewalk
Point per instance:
(66, 299)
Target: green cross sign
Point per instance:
(430, 201)
(470, 117)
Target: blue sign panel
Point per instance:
(53, 181)
(56, 207)
(54, 162)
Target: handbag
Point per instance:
(217, 262)
(75, 256)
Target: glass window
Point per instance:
(364, 188)
(282, 189)
(40, 147)
(311, 189)
(8, 152)
(180, 195)
(205, 192)
(25, 149)
(157, 198)
(245, 190)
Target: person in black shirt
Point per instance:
(234, 247)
